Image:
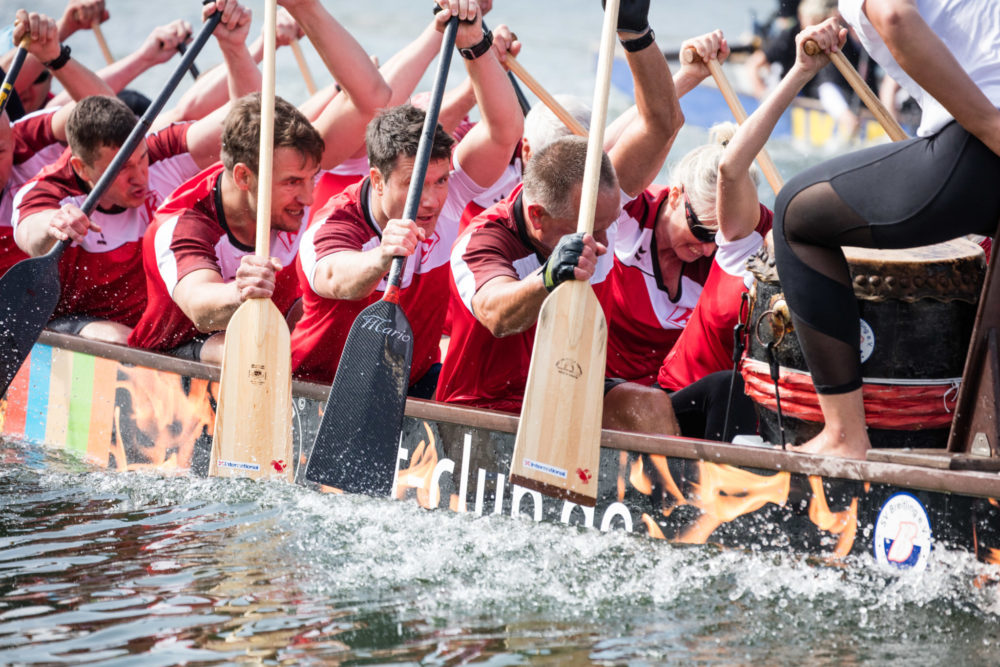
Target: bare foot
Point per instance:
(837, 442)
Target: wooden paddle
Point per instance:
(304, 67)
(253, 420)
(558, 445)
(559, 110)
(882, 115)
(29, 291)
(739, 113)
(357, 445)
(101, 42)
(15, 69)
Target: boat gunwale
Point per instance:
(909, 476)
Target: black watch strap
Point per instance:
(639, 43)
(59, 61)
(478, 49)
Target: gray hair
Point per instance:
(554, 175)
(542, 127)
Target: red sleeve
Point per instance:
(491, 253)
(46, 191)
(168, 142)
(193, 242)
(32, 133)
(340, 232)
(766, 220)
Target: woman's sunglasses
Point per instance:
(702, 233)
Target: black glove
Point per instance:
(565, 256)
(633, 16)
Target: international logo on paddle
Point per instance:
(570, 367)
(383, 325)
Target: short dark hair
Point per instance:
(396, 131)
(98, 121)
(241, 133)
(554, 173)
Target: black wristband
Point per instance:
(59, 61)
(639, 43)
(479, 48)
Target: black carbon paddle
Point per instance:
(29, 291)
(358, 439)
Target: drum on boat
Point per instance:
(917, 310)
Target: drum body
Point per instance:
(917, 310)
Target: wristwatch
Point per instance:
(59, 60)
(479, 48)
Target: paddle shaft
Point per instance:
(140, 129)
(307, 76)
(266, 162)
(882, 115)
(559, 110)
(182, 49)
(739, 113)
(101, 42)
(423, 157)
(521, 99)
(15, 69)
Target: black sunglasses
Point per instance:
(42, 78)
(699, 231)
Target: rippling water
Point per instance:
(119, 569)
(115, 569)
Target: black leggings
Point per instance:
(700, 407)
(901, 195)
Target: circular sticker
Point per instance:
(903, 533)
(867, 341)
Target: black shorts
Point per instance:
(71, 324)
(191, 350)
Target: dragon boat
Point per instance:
(125, 409)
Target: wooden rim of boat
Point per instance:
(927, 470)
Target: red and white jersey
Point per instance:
(35, 147)
(102, 275)
(346, 224)
(706, 344)
(331, 182)
(190, 233)
(480, 369)
(646, 322)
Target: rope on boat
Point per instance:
(901, 405)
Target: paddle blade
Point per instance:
(557, 450)
(358, 440)
(253, 420)
(29, 294)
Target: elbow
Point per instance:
(378, 97)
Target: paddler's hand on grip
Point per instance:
(256, 277)
(816, 42)
(42, 34)
(573, 258)
(633, 17)
(470, 20)
(70, 223)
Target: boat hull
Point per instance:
(128, 410)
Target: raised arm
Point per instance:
(737, 206)
(642, 147)
(363, 91)
(403, 71)
(923, 56)
(486, 150)
(159, 47)
(81, 15)
(44, 44)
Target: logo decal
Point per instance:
(546, 468)
(258, 374)
(903, 533)
(584, 474)
(569, 367)
(278, 465)
(239, 465)
(383, 325)
(867, 341)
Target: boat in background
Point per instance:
(125, 409)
